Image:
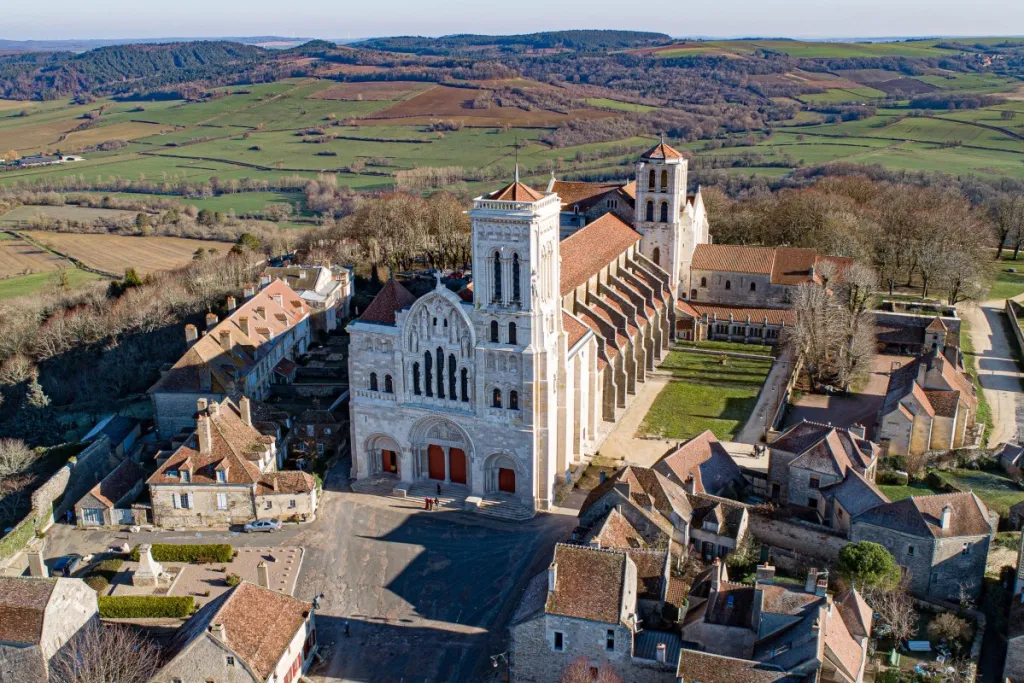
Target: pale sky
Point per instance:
(56, 19)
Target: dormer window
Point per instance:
(172, 473)
(222, 476)
(186, 476)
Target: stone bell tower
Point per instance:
(660, 212)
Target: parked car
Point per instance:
(270, 525)
(67, 565)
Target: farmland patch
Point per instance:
(370, 90)
(115, 253)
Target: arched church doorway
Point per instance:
(435, 462)
(457, 466)
(506, 480)
(388, 461)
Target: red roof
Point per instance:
(592, 248)
(516, 192)
(662, 151)
(392, 298)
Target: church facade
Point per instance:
(502, 387)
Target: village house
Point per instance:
(941, 540)
(226, 473)
(810, 456)
(741, 293)
(912, 329)
(252, 348)
(38, 618)
(317, 433)
(537, 361)
(1013, 667)
(109, 502)
(584, 202)
(803, 632)
(607, 606)
(247, 634)
(930, 404)
(327, 291)
(702, 465)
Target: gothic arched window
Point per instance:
(452, 394)
(440, 372)
(428, 375)
(650, 180)
(373, 381)
(513, 400)
(650, 209)
(416, 379)
(464, 379)
(664, 181)
(512, 333)
(728, 284)
(496, 399)
(494, 332)
(664, 212)
(389, 385)
(703, 282)
(497, 276)
(656, 256)
(515, 278)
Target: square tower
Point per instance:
(660, 209)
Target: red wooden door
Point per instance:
(435, 462)
(389, 461)
(507, 480)
(457, 466)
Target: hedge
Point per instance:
(145, 606)
(167, 552)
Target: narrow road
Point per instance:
(997, 369)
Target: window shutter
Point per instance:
(174, 500)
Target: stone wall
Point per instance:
(203, 505)
(1013, 310)
(535, 660)
(92, 464)
(285, 505)
(815, 543)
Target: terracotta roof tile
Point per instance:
(515, 192)
(589, 583)
(922, 515)
(922, 398)
(587, 251)
(705, 667)
(734, 258)
(937, 325)
(847, 650)
(944, 403)
(582, 194)
(280, 483)
(793, 266)
(703, 459)
(118, 483)
(757, 316)
(392, 298)
(23, 602)
(650, 572)
(662, 151)
(574, 329)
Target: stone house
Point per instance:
(226, 473)
(38, 618)
(704, 667)
(741, 293)
(591, 603)
(911, 329)
(249, 633)
(327, 291)
(930, 404)
(109, 502)
(123, 432)
(584, 202)
(702, 465)
(252, 348)
(840, 503)
(316, 434)
(942, 540)
(810, 456)
(806, 633)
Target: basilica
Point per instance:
(503, 387)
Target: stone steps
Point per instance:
(451, 498)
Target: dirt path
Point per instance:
(997, 370)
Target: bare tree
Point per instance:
(895, 609)
(15, 457)
(580, 670)
(111, 653)
(1008, 217)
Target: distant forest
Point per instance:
(581, 41)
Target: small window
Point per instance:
(186, 503)
(650, 211)
(815, 483)
(291, 503)
(693, 293)
(513, 400)
(222, 476)
(728, 284)
(650, 179)
(186, 476)
(664, 212)
(609, 639)
(496, 399)
(494, 332)
(910, 551)
(268, 505)
(389, 385)
(373, 381)
(812, 502)
(704, 282)
(753, 286)
(222, 501)
(512, 333)
(559, 641)
(229, 660)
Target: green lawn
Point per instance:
(30, 284)
(1006, 285)
(705, 394)
(994, 488)
(971, 365)
(915, 488)
(605, 103)
(736, 347)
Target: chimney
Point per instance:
(231, 304)
(947, 516)
(36, 565)
(765, 574)
(264, 280)
(248, 293)
(245, 407)
(661, 651)
(858, 431)
(191, 334)
(922, 370)
(822, 586)
(552, 577)
(204, 434)
(263, 574)
(716, 574)
(225, 341)
(811, 585)
(243, 322)
(218, 632)
(261, 312)
(211, 320)
(201, 406)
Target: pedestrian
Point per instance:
(347, 634)
(426, 503)
(437, 502)
(439, 488)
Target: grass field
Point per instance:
(704, 394)
(605, 103)
(995, 489)
(115, 253)
(30, 284)
(1006, 285)
(26, 214)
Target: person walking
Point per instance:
(439, 488)
(437, 502)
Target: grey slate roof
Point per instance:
(645, 645)
(921, 516)
(855, 493)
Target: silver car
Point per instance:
(270, 525)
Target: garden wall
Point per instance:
(1013, 310)
(812, 542)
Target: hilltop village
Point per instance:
(607, 448)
